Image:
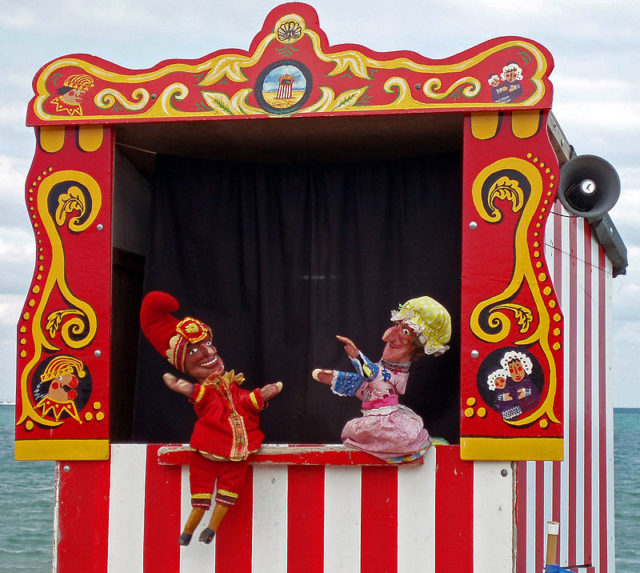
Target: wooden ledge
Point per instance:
(290, 454)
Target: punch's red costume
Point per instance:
(227, 431)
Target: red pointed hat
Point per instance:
(168, 335)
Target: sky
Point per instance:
(596, 80)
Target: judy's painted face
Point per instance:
(500, 382)
(203, 360)
(516, 370)
(399, 345)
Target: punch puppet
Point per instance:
(387, 429)
(227, 429)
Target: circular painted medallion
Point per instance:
(511, 382)
(283, 87)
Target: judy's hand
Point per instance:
(323, 376)
(349, 347)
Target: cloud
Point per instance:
(17, 255)
(10, 308)
(13, 172)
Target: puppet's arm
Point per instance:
(364, 367)
(348, 383)
(178, 384)
(270, 391)
(342, 383)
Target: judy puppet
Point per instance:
(387, 429)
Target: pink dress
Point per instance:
(386, 429)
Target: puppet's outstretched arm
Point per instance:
(349, 347)
(270, 391)
(347, 383)
(178, 384)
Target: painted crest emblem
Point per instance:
(283, 87)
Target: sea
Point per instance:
(26, 500)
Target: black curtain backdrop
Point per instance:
(279, 258)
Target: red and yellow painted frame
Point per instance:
(64, 331)
(511, 313)
(291, 57)
(290, 70)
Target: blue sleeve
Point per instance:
(346, 383)
(364, 367)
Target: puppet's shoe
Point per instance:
(270, 391)
(207, 535)
(185, 539)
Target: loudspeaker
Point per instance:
(589, 186)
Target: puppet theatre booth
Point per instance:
(285, 194)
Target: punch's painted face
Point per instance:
(399, 345)
(73, 96)
(203, 360)
(63, 388)
(516, 370)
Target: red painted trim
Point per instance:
(476, 64)
(85, 258)
(305, 519)
(234, 538)
(573, 357)
(602, 414)
(454, 511)
(379, 541)
(161, 515)
(83, 516)
(588, 398)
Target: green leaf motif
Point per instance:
(347, 99)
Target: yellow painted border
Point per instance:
(62, 450)
(517, 449)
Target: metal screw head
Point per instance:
(100, 226)
(475, 354)
(473, 225)
(97, 353)
(504, 473)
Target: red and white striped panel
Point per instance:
(577, 492)
(445, 515)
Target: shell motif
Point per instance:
(289, 31)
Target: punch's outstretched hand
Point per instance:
(270, 391)
(178, 384)
(349, 347)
